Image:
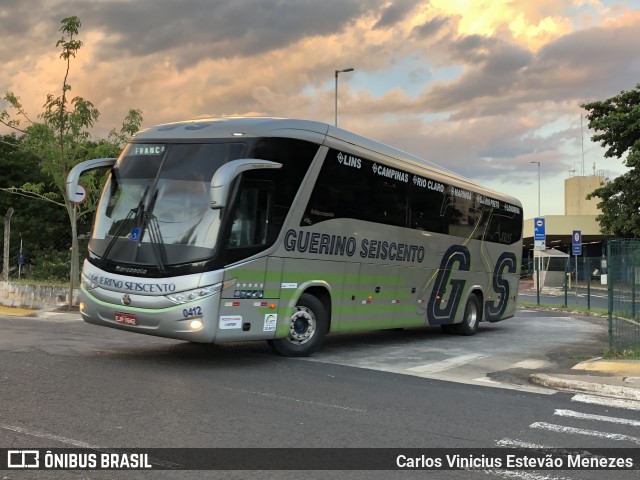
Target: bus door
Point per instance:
(248, 309)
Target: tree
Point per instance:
(61, 138)
(616, 122)
(42, 225)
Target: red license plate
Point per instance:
(126, 319)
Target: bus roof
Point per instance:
(248, 127)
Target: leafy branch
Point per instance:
(36, 191)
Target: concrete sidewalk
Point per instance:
(17, 312)
(611, 378)
(61, 312)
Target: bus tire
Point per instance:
(308, 326)
(471, 319)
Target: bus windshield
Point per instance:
(155, 206)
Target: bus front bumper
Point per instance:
(190, 321)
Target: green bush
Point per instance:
(49, 266)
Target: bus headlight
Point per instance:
(200, 292)
(196, 324)
(195, 294)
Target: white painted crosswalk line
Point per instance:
(452, 362)
(581, 431)
(523, 475)
(515, 443)
(597, 418)
(606, 401)
(510, 443)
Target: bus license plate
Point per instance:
(126, 319)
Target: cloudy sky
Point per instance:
(483, 87)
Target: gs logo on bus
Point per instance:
(457, 257)
(492, 310)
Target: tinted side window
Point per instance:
(464, 215)
(251, 217)
(505, 225)
(296, 157)
(350, 186)
(429, 210)
(264, 196)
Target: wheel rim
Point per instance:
(302, 326)
(472, 314)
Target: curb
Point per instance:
(628, 393)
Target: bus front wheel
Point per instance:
(307, 327)
(469, 325)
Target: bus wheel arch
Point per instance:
(308, 324)
(472, 315)
(322, 294)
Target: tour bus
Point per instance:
(235, 229)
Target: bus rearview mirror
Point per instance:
(74, 174)
(224, 176)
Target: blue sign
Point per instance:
(576, 243)
(538, 229)
(135, 234)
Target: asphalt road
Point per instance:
(64, 383)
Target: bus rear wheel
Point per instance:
(308, 326)
(469, 325)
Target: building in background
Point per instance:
(579, 214)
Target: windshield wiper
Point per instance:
(138, 212)
(150, 224)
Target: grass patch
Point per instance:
(630, 353)
(581, 357)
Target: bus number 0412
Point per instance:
(192, 312)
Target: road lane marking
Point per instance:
(49, 436)
(580, 431)
(598, 418)
(78, 443)
(452, 362)
(297, 400)
(606, 401)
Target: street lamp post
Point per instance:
(538, 187)
(337, 72)
(537, 266)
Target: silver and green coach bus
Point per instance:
(235, 229)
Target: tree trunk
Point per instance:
(74, 273)
(7, 236)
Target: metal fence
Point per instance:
(607, 284)
(37, 254)
(623, 278)
(586, 282)
(570, 282)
